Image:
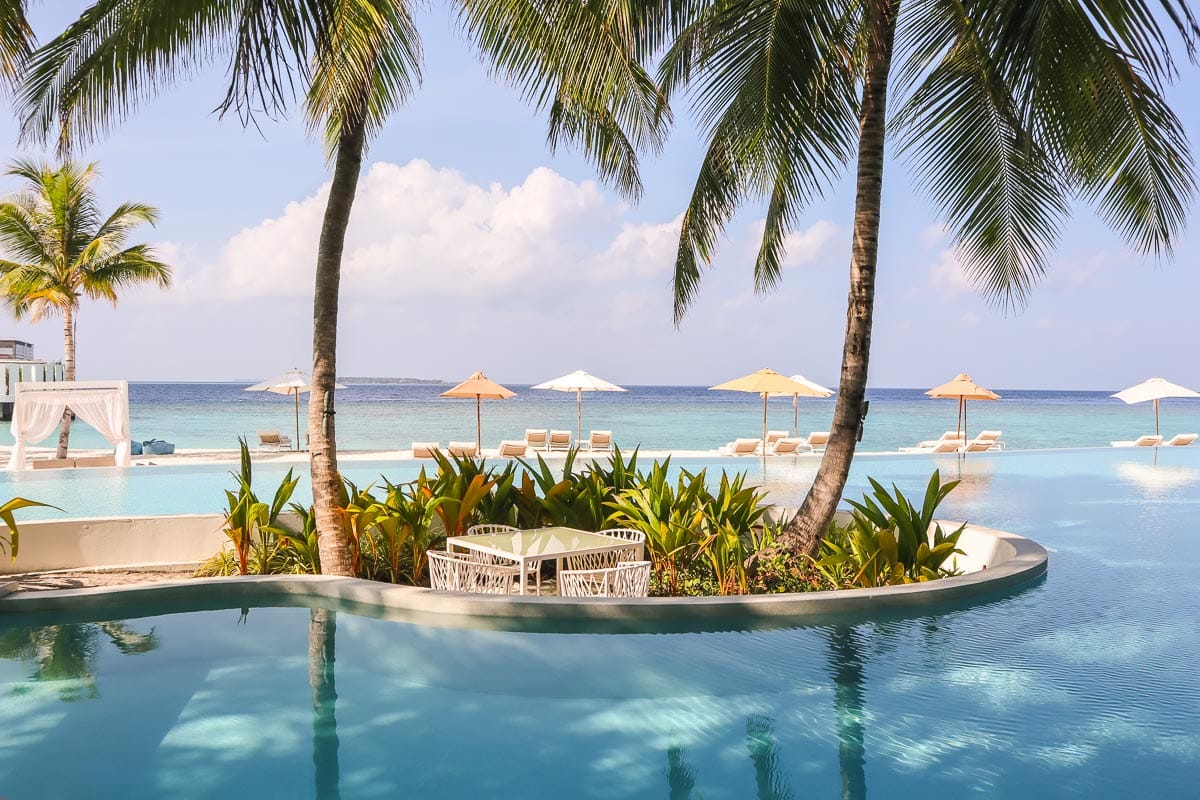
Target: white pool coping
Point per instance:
(1014, 560)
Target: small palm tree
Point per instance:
(61, 248)
(1009, 111)
(355, 62)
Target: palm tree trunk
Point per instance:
(322, 633)
(804, 533)
(326, 482)
(64, 432)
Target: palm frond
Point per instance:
(372, 64)
(120, 54)
(16, 41)
(1000, 193)
(581, 60)
(770, 86)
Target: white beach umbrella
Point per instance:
(820, 391)
(579, 382)
(292, 382)
(1154, 389)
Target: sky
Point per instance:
(473, 246)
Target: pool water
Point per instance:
(1082, 685)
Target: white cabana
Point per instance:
(39, 407)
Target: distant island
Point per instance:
(393, 380)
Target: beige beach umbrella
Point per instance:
(481, 388)
(294, 383)
(1154, 389)
(962, 389)
(768, 382)
(579, 382)
(816, 387)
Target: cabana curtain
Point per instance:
(39, 408)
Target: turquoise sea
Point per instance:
(392, 416)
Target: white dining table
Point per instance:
(528, 547)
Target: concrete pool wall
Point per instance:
(993, 561)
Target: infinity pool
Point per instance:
(1082, 685)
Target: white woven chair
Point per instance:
(630, 579)
(635, 552)
(535, 567)
(467, 572)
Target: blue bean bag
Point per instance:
(135, 448)
(157, 447)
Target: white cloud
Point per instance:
(947, 274)
(934, 234)
(421, 231)
(801, 248)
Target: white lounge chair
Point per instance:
(789, 447)
(948, 446)
(511, 449)
(536, 438)
(631, 579)
(1142, 441)
(600, 441)
(773, 437)
(425, 449)
(817, 441)
(273, 441)
(463, 449)
(1181, 440)
(986, 440)
(741, 447)
(560, 440)
(466, 572)
(948, 442)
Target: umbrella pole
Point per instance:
(964, 429)
(1156, 416)
(296, 395)
(796, 415)
(578, 416)
(763, 443)
(479, 424)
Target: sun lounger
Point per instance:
(68, 463)
(1181, 440)
(511, 449)
(600, 440)
(560, 440)
(773, 437)
(986, 440)
(817, 440)
(425, 449)
(948, 446)
(273, 441)
(741, 447)
(463, 449)
(536, 438)
(789, 447)
(1142, 441)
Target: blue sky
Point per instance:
(473, 247)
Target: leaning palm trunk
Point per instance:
(326, 482)
(64, 432)
(804, 533)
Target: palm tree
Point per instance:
(1009, 110)
(356, 62)
(62, 248)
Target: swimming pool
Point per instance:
(1082, 685)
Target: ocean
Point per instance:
(392, 416)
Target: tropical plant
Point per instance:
(409, 529)
(730, 516)
(890, 541)
(11, 542)
(1009, 111)
(357, 61)
(60, 248)
(300, 546)
(251, 525)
